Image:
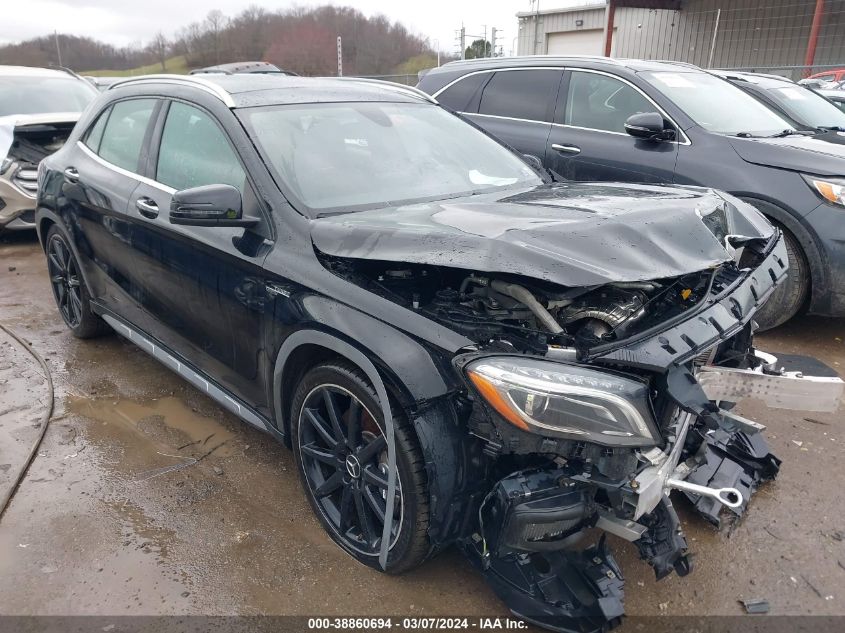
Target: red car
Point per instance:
(836, 74)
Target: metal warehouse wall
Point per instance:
(529, 43)
(764, 35)
(757, 34)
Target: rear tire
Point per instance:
(791, 295)
(345, 483)
(69, 290)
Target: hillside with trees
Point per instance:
(297, 39)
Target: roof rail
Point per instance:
(392, 85)
(676, 63)
(506, 60)
(185, 80)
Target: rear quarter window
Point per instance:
(462, 96)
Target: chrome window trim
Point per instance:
(505, 118)
(495, 70)
(122, 171)
(685, 138)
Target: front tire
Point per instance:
(69, 291)
(791, 295)
(341, 454)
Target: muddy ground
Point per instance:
(101, 526)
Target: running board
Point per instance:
(198, 380)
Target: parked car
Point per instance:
(594, 118)
(836, 75)
(837, 97)
(803, 108)
(241, 68)
(456, 349)
(38, 109)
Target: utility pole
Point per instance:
(58, 49)
(484, 42)
(462, 37)
(494, 35)
(339, 57)
(437, 48)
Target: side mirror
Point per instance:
(209, 205)
(650, 126)
(535, 162)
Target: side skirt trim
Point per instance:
(199, 380)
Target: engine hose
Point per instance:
(524, 296)
(45, 420)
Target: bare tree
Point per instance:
(159, 47)
(215, 22)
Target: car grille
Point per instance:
(26, 177)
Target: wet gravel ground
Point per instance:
(148, 498)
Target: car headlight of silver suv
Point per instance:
(567, 401)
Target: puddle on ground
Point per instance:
(168, 422)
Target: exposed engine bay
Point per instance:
(591, 405)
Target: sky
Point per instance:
(124, 22)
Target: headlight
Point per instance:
(565, 400)
(831, 189)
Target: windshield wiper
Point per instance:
(791, 133)
(831, 128)
(781, 134)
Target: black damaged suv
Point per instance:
(457, 351)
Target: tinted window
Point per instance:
(124, 132)
(95, 132)
(459, 95)
(521, 94)
(600, 102)
(195, 152)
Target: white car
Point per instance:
(38, 109)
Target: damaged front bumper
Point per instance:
(18, 187)
(532, 519)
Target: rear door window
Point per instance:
(124, 132)
(194, 151)
(462, 96)
(521, 94)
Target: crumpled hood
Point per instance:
(12, 121)
(573, 234)
(822, 154)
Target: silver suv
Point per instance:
(38, 109)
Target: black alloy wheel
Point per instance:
(340, 449)
(344, 457)
(69, 288)
(64, 277)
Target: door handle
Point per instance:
(566, 149)
(71, 175)
(147, 207)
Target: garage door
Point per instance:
(586, 42)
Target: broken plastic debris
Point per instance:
(756, 605)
